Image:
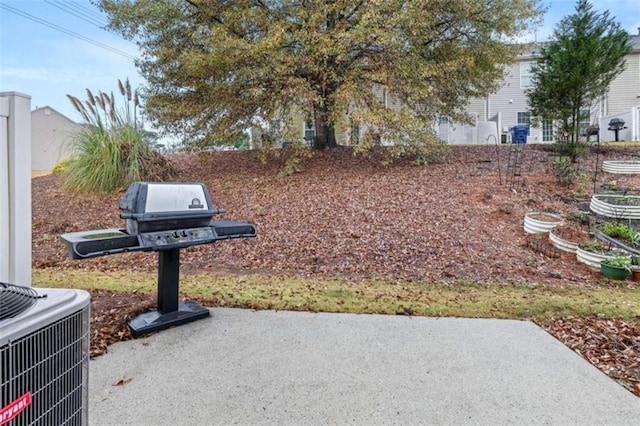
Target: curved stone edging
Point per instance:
(599, 205)
(535, 226)
(621, 167)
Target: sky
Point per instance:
(51, 48)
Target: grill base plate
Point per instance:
(155, 321)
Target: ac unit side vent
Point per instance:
(52, 365)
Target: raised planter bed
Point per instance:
(563, 244)
(540, 222)
(621, 167)
(616, 206)
(593, 259)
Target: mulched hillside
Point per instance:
(345, 215)
(354, 217)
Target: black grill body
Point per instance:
(615, 125)
(162, 217)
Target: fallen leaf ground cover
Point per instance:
(354, 218)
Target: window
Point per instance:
(584, 121)
(525, 118)
(526, 75)
(309, 131)
(443, 119)
(547, 131)
(355, 133)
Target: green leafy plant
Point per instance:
(616, 230)
(622, 232)
(595, 247)
(619, 261)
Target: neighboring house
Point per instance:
(508, 106)
(51, 133)
(493, 117)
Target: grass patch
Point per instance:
(462, 299)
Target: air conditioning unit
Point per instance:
(44, 355)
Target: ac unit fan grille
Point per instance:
(51, 363)
(14, 300)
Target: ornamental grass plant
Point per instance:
(111, 150)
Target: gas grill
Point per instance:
(615, 125)
(162, 217)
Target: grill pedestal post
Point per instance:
(168, 280)
(170, 313)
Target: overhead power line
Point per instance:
(87, 11)
(66, 31)
(77, 13)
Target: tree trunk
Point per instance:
(325, 132)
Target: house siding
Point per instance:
(51, 135)
(511, 98)
(624, 91)
(478, 107)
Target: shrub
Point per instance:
(573, 150)
(61, 166)
(111, 151)
(562, 168)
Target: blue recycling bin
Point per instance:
(519, 133)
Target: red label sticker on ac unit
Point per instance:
(12, 410)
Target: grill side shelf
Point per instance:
(87, 244)
(103, 242)
(226, 229)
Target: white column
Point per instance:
(635, 123)
(15, 188)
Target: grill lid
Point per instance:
(15, 299)
(159, 206)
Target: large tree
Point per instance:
(216, 67)
(575, 68)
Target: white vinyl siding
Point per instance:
(478, 106)
(508, 100)
(624, 91)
